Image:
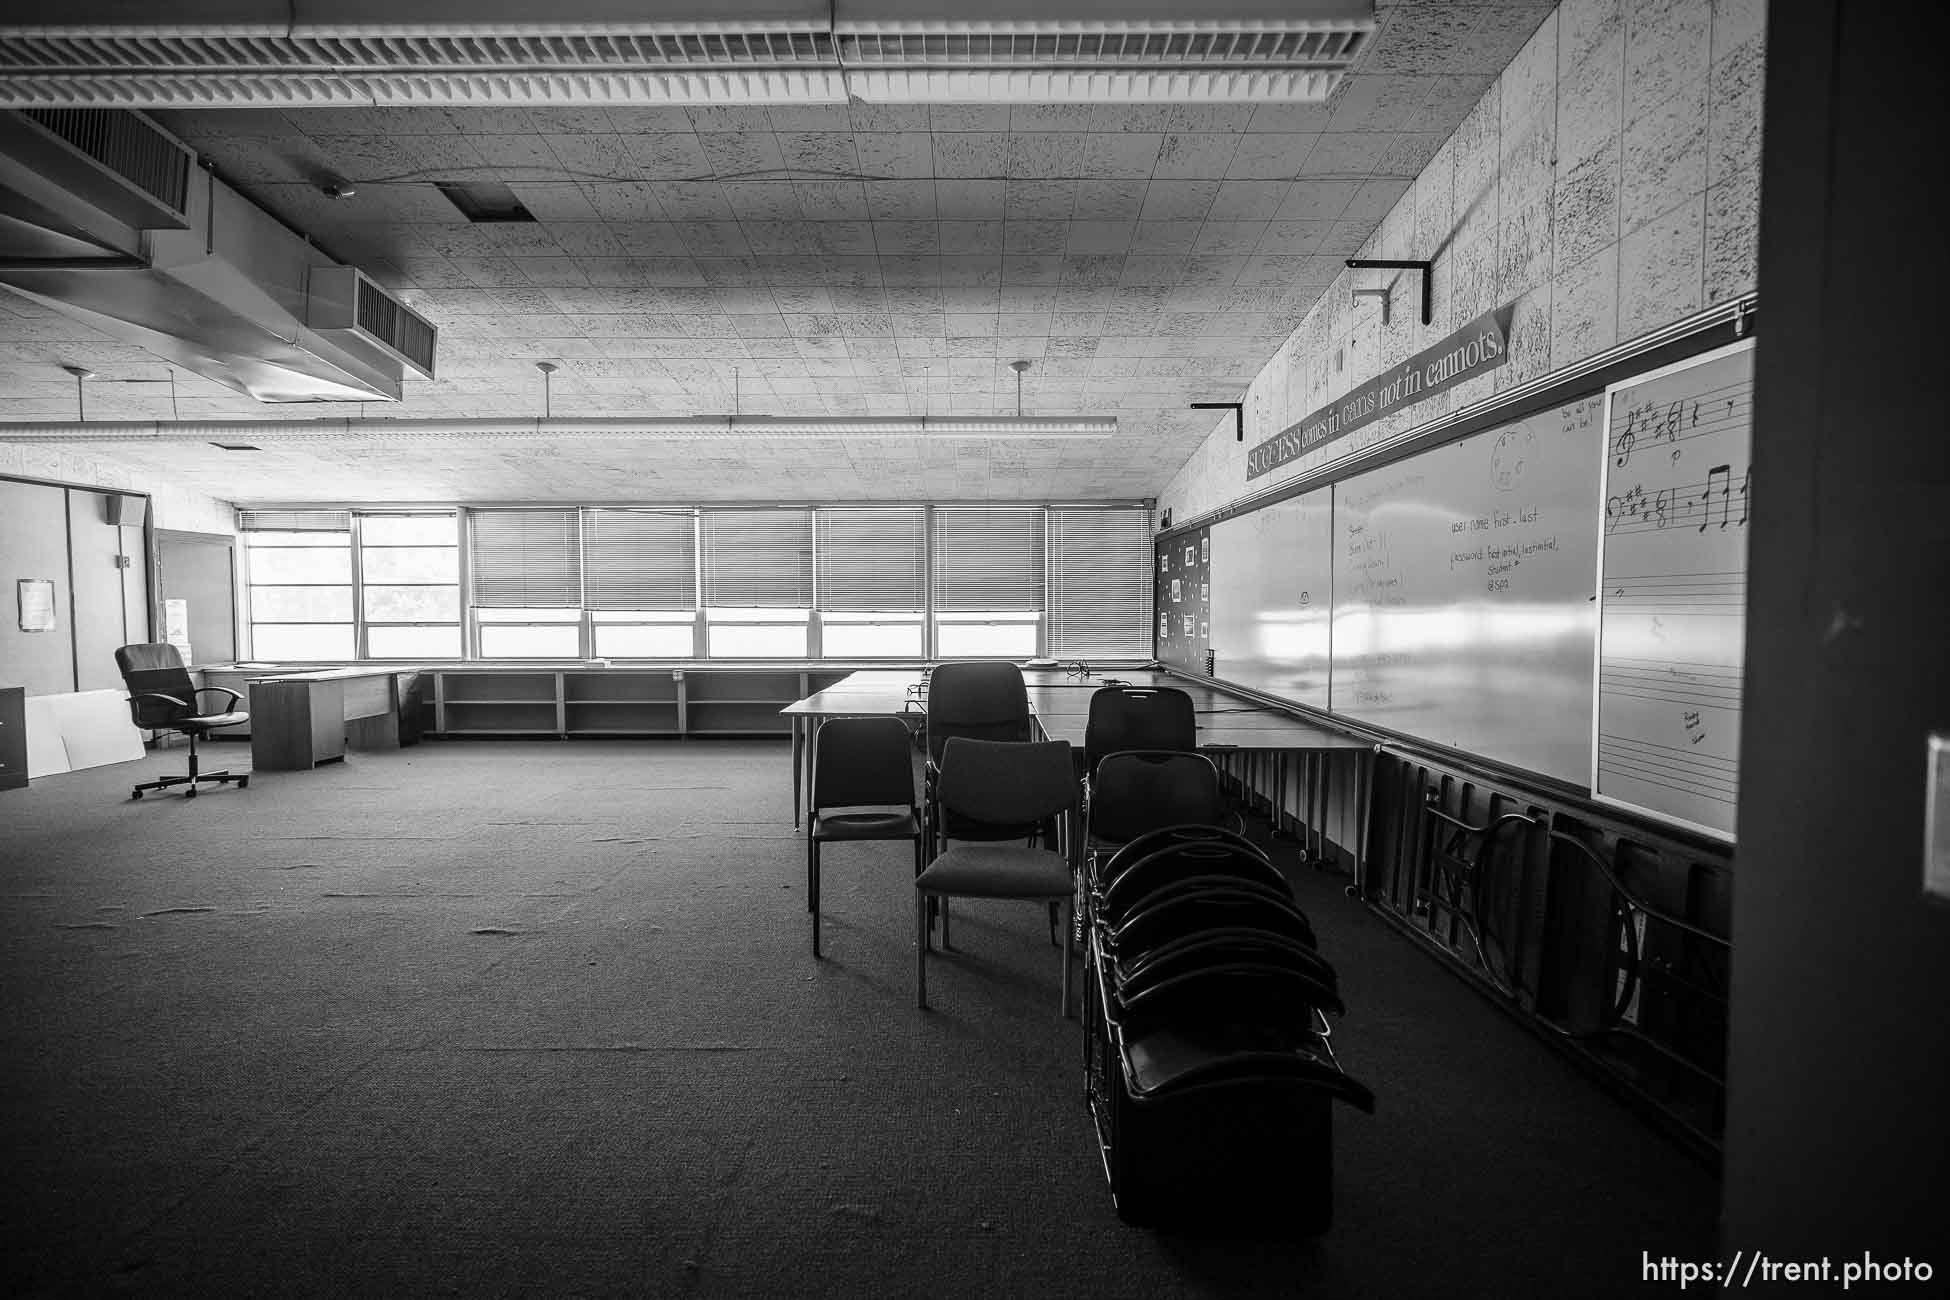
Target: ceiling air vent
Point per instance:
(343, 302)
(745, 51)
(119, 160)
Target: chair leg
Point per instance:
(947, 944)
(1066, 970)
(812, 895)
(1052, 924)
(921, 950)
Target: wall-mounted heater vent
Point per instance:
(341, 300)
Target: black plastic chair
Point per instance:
(859, 764)
(162, 698)
(1138, 717)
(974, 701)
(993, 784)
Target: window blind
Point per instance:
(1099, 582)
(757, 559)
(988, 558)
(873, 559)
(639, 559)
(523, 559)
(294, 521)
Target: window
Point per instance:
(1100, 584)
(757, 570)
(640, 582)
(525, 583)
(988, 581)
(872, 581)
(409, 585)
(299, 563)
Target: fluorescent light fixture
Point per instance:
(699, 428)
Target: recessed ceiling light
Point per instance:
(236, 446)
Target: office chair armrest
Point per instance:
(235, 698)
(158, 695)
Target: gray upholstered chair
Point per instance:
(162, 698)
(986, 783)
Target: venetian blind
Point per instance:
(639, 559)
(1099, 582)
(757, 559)
(988, 558)
(294, 521)
(873, 559)
(523, 559)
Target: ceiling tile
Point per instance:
(1187, 156)
(975, 200)
(740, 155)
(895, 154)
(1178, 200)
(971, 154)
(904, 200)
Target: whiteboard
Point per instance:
(1271, 577)
(1672, 589)
(1463, 607)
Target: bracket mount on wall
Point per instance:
(1238, 410)
(1393, 264)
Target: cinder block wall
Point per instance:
(1607, 183)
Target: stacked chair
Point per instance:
(1208, 1068)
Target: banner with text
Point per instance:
(1478, 347)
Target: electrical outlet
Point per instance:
(121, 561)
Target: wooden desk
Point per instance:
(296, 723)
(299, 720)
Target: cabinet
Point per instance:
(498, 703)
(296, 724)
(13, 737)
(598, 703)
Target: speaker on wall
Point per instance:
(126, 511)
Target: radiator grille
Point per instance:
(1325, 46)
(381, 316)
(127, 144)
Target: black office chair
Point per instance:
(162, 698)
(864, 765)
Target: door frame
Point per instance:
(164, 536)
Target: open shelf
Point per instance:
(726, 686)
(503, 717)
(498, 688)
(619, 687)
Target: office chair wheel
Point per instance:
(191, 792)
(243, 781)
(135, 794)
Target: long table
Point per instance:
(884, 692)
(1234, 732)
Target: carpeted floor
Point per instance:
(543, 1018)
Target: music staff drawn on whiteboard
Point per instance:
(1698, 504)
(1668, 424)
